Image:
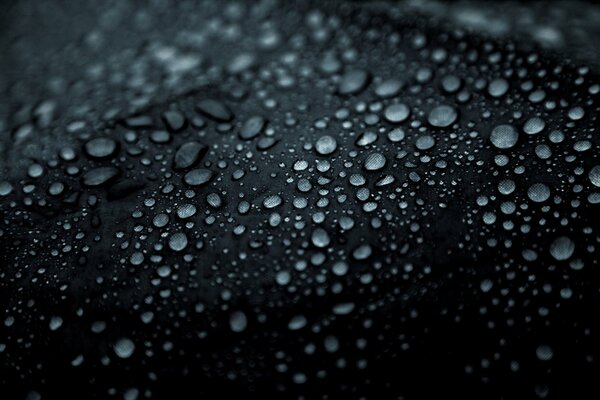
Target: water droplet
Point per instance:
(238, 321)
(504, 136)
(215, 110)
(562, 248)
(5, 188)
(343, 308)
(534, 126)
(442, 116)
(160, 137)
(188, 155)
(272, 201)
(100, 176)
(425, 142)
(56, 188)
(396, 135)
(374, 162)
(326, 145)
(498, 87)
(353, 82)
(297, 322)
(366, 138)
(538, 192)
(544, 353)
(320, 238)
(252, 127)
(362, 252)
(197, 177)
(124, 348)
(397, 113)
(55, 323)
(100, 147)
(340, 268)
(174, 120)
(178, 241)
(266, 143)
(389, 88)
(186, 211)
(214, 200)
(140, 121)
(594, 176)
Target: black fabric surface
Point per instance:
(308, 240)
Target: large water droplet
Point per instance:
(238, 321)
(397, 113)
(124, 348)
(178, 241)
(538, 192)
(100, 176)
(215, 109)
(504, 136)
(197, 177)
(562, 248)
(188, 155)
(326, 145)
(442, 116)
(252, 127)
(374, 162)
(353, 82)
(100, 147)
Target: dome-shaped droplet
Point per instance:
(197, 177)
(544, 353)
(214, 200)
(534, 126)
(442, 116)
(266, 143)
(326, 145)
(320, 238)
(272, 201)
(178, 241)
(353, 82)
(562, 248)
(538, 192)
(174, 120)
(425, 142)
(396, 113)
(100, 176)
(160, 137)
(5, 188)
(374, 162)
(594, 175)
(124, 348)
(388, 88)
(504, 136)
(188, 155)
(186, 211)
(101, 147)
(215, 110)
(252, 127)
(238, 321)
(498, 87)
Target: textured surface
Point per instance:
(317, 200)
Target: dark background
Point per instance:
(430, 332)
